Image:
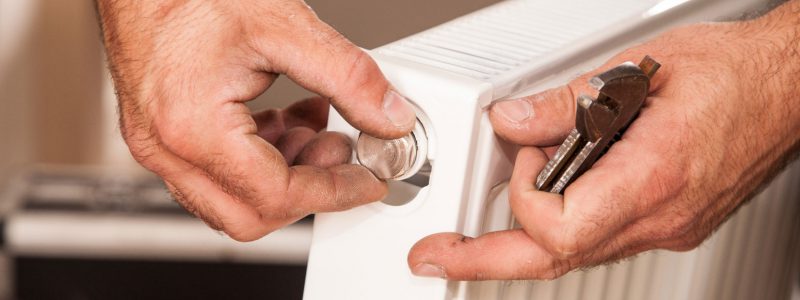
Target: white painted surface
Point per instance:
(511, 49)
(360, 253)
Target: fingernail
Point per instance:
(428, 270)
(398, 110)
(513, 110)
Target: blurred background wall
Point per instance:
(58, 106)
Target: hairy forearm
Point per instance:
(780, 49)
(783, 74)
(770, 55)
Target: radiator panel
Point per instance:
(514, 35)
(752, 256)
(515, 48)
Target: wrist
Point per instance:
(775, 48)
(786, 20)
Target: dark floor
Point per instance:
(68, 279)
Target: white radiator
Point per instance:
(452, 72)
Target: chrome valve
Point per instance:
(396, 159)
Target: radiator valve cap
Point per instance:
(395, 159)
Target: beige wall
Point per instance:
(15, 131)
(68, 68)
(50, 87)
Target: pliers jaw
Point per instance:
(599, 122)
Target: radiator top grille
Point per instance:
(512, 38)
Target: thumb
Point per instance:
(543, 119)
(323, 61)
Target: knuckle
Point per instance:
(207, 215)
(303, 9)
(551, 274)
(686, 242)
(566, 104)
(142, 150)
(356, 60)
(141, 142)
(175, 135)
(557, 268)
(242, 234)
(679, 225)
(329, 36)
(269, 209)
(563, 245)
(359, 67)
(182, 200)
(560, 106)
(667, 179)
(694, 236)
(568, 107)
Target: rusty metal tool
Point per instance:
(599, 122)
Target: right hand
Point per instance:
(183, 72)
(721, 120)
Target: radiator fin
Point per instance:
(512, 35)
(750, 257)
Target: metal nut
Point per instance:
(395, 159)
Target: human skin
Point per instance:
(183, 71)
(722, 119)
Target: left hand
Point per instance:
(722, 118)
(183, 71)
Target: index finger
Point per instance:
(317, 57)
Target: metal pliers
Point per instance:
(599, 122)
